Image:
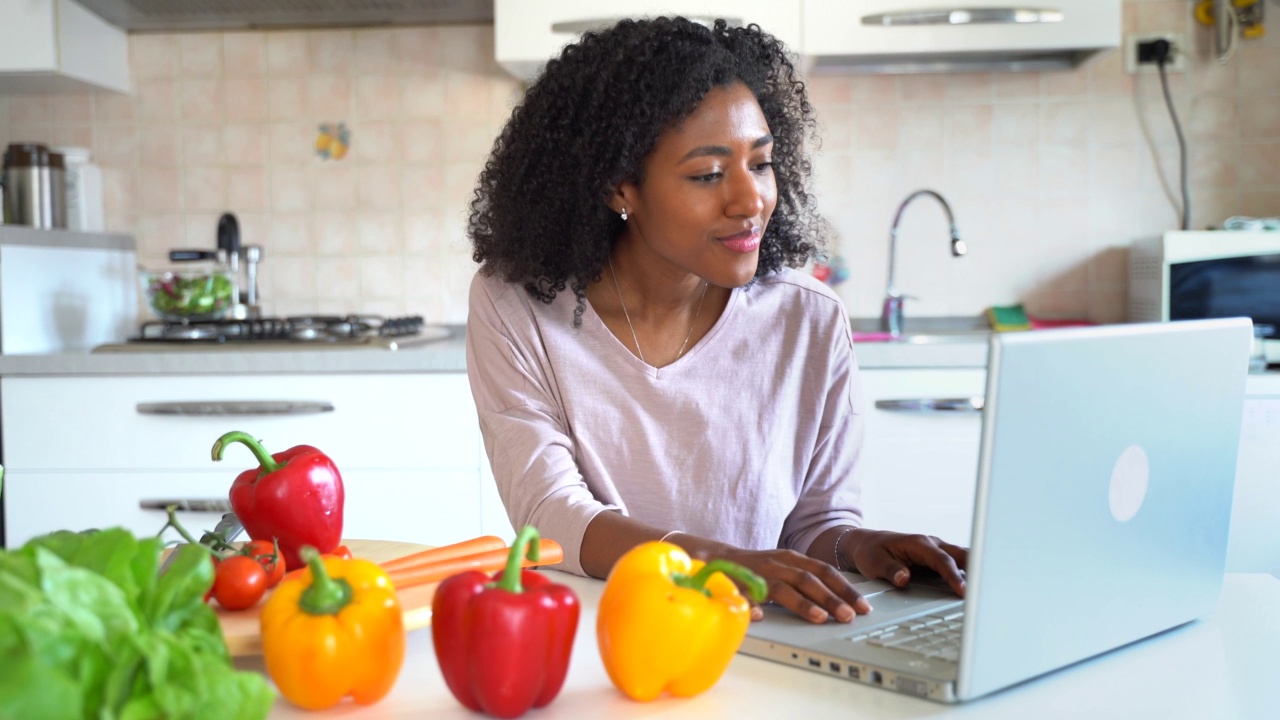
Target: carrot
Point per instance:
(445, 552)
(486, 561)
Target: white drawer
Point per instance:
(435, 508)
(37, 503)
(98, 423)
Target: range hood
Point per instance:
(936, 36)
(190, 15)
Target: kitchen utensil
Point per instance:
(196, 295)
(35, 193)
(84, 199)
(232, 254)
(241, 627)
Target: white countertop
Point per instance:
(448, 355)
(1223, 666)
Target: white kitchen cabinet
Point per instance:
(58, 46)
(527, 34)
(1254, 544)
(919, 466)
(79, 453)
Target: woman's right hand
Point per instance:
(810, 588)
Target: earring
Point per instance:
(624, 214)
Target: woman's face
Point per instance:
(707, 192)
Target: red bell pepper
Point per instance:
(293, 497)
(504, 642)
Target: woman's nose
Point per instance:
(745, 197)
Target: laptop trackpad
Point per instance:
(888, 604)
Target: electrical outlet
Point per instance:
(1177, 53)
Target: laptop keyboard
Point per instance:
(932, 636)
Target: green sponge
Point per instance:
(1008, 317)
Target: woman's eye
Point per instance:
(709, 177)
(763, 167)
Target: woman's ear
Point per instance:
(622, 197)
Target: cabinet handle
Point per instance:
(577, 27)
(932, 405)
(965, 16)
(221, 505)
(236, 407)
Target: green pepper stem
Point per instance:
(326, 595)
(756, 587)
(268, 463)
(527, 543)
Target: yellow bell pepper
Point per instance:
(335, 629)
(669, 623)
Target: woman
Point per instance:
(645, 363)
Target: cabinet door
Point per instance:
(57, 46)
(894, 27)
(918, 467)
(170, 423)
(527, 34)
(27, 36)
(429, 507)
(1254, 544)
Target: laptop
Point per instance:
(1103, 501)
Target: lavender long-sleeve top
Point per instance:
(750, 438)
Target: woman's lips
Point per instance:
(744, 242)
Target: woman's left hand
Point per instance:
(889, 556)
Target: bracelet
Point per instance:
(840, 563)
(664, 537)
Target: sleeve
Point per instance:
(831, 495)
(523, 426)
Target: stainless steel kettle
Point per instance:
(34, 182)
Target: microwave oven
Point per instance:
(1193, 274)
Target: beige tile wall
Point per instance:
(1050, 175)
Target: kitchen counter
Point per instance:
(447, 355)
(1222, 666)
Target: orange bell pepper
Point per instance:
(334, 630)
(670, 623)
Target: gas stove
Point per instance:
(309, 332)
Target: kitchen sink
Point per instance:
(924, 330)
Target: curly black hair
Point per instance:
(538, 216)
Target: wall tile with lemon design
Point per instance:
(333, 141)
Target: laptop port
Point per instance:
(913, 686)
(815, 662)
(876, 677)
(855, 672)
(834, 667)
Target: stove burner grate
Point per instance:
(302, 329)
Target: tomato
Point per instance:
(341, 551)
(264, 552)
(240, 583)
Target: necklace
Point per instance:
(627, 315)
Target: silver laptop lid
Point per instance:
(1104, 495)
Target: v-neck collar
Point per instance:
(611, 340)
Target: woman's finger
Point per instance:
(926, 552)
(792, 599)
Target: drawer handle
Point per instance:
(966, 16)
(932, 405)
(221, 505)
(577, 27)
(236, 407)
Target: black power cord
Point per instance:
(1159, 52)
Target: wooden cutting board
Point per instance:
(241, 627)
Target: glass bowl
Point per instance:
(188, 295)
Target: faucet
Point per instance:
(891, 314)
